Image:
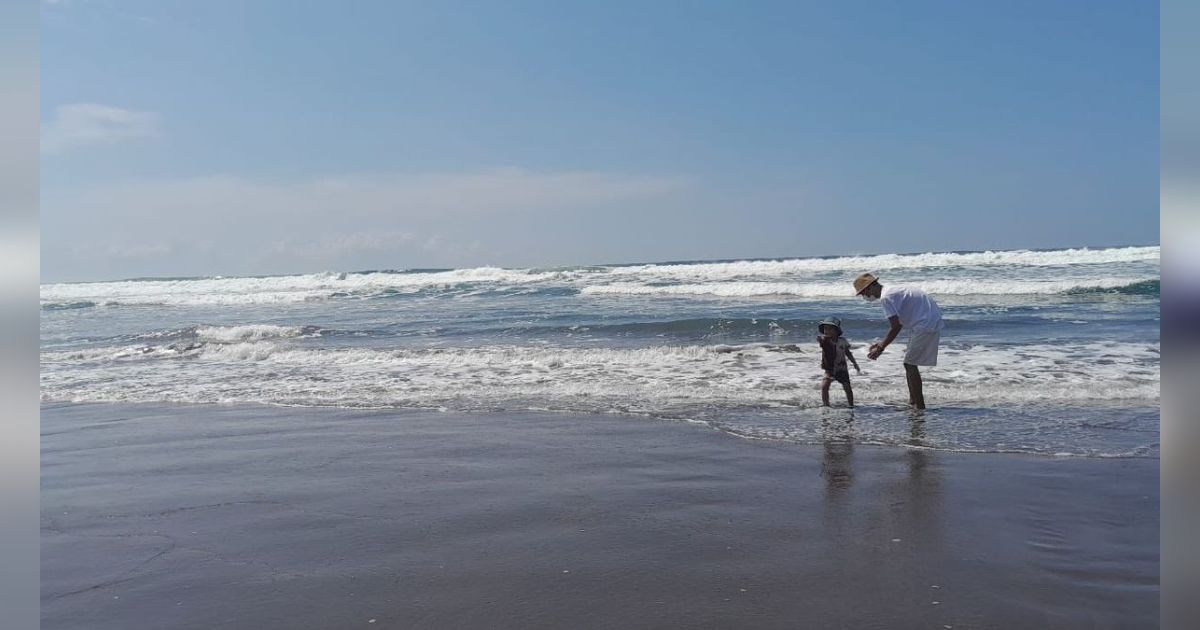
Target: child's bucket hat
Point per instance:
(831, 321)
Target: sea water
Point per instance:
(1045, 352)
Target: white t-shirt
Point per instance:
(916, 310)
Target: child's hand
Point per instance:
(857, 370)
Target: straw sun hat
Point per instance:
(862, 282)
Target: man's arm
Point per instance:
(878, 348)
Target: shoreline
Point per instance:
(249, 516)
(942, 414)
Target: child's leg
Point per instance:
(825, 390)
(849, 393)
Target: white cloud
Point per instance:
(84, 124)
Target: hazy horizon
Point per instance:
(607, 263)
(231, 139)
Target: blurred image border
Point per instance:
(1180, 310)
(19, 264)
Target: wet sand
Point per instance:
(159, 516)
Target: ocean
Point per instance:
(1044, 352)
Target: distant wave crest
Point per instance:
(842, 290)
(67, 306)
(1140, 287)
(1034, 272)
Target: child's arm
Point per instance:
(850, 355)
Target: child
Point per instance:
(834, 352)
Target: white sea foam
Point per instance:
(1046, 272)
(757, 390)
(842, 290)
(274, 289)
(857, 264)
(251, 332)
(661, 379)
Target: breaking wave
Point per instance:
(1141, 287)
(67, 306)
(840, 290)
(1049, 272)
(857, 264)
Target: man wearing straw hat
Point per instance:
(911, 308)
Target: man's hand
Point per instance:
(875, 350)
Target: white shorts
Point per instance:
(922, 348)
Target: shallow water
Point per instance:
(1049, 352)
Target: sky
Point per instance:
(273, 137)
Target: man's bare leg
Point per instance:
(916, 397)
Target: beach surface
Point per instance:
(209, 516)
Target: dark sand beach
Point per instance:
(159, 516)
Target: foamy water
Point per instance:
(987, 271)
(1046, 352)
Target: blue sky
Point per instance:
(198, 138)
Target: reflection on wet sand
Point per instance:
(912, 500)
(838, 441)
(916, 427)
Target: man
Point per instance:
(911, 308)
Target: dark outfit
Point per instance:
(833, 358)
